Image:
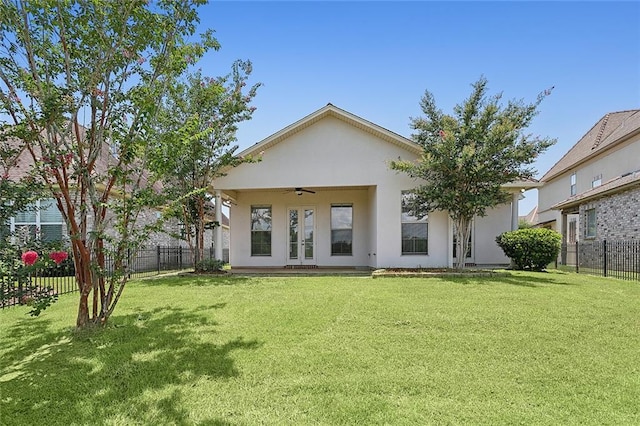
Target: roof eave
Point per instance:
(610, 146)
(563, 205)
(329, 110)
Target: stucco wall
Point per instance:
(485, 249)
(343, 164)
(321, 201)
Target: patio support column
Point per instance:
(515, 197)
(217, 232)
(565, 237)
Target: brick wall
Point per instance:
(617, 216)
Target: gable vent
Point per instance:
(600, 132)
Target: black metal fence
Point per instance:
(618, 259)
(146, 262)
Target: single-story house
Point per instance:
(323, 195)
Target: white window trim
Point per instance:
(595, 225)
(350, 205)
(13, 224)
(260, 206)
(424, 221)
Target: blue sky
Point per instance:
(376, 59)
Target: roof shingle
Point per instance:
(608, 131)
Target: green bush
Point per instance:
(532, 248)
(210, 265)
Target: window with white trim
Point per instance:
(41, 221)
(596, 181)
(573, 180)
(415, 227)
(590, 223)
(573, 231)
(260, 230)
(341, 230)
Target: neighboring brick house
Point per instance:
(45, 222)
(593, 191)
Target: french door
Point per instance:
(301, 248)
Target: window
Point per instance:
(341, 230)
(590, 230)
(597, 181)
(573, 231)
(42, 221)
(415, 226)
(260, 230)
(573, 184)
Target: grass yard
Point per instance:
(528, 348)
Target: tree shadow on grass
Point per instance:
(541, 278)
(133, 371)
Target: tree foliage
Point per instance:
(195, 141)
(468, 155)
(17, 192)
(80, 85)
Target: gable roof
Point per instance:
(531, 217)
(617, 184)
(609, 131)
(331, 110)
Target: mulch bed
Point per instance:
(433, 272)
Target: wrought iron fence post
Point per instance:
(180, 258)
(158, 258)
(604, 255)
(577, 257)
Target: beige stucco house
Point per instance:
(593, 191)
(323, 195)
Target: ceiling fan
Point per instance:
(299, 191)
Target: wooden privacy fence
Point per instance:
(146, 262)
(618, 259)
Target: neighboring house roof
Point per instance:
(331, 110)
(609, 131)
(24, 163)
(531, 217)
(524, 184)
(210, 215)
(617, 184)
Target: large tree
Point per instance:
(469, 155)
(80, 84)
(196, 140)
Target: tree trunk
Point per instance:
(200, 225)
(83, 311)
(462, 230)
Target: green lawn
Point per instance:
(547, 348)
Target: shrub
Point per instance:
(532, 248)
(209, 265)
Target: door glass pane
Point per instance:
(308, 234)
(293, 234)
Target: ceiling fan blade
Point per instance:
(299, 190)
